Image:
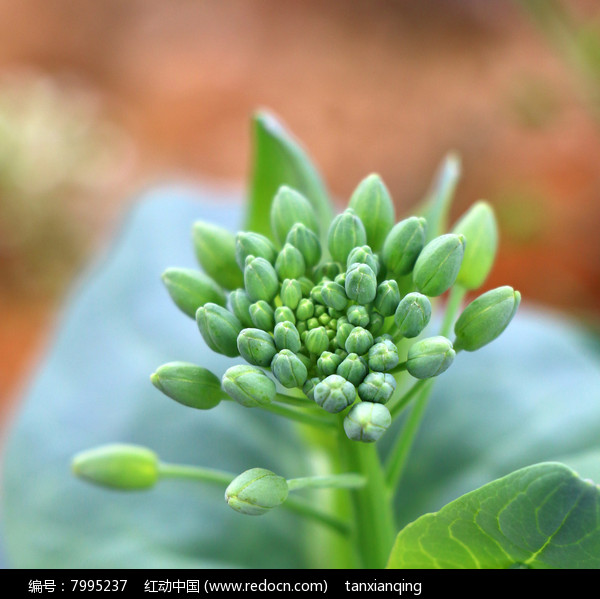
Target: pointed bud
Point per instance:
(413, 314)
(287, 337)
(289, 370)
(306, 285)
(188, 384)
(376, 323)
(301, 237)
(253, 244)
(288, 208)
(317, 340)
(309, 387)
(403, 245)
(372, 203)
(248, 385)
(438, 264)
(262, 315)
(429, 357)
(485, 318)
(377, 387)
(190, 289)
(363, 255)
(479, 227)
(291, 293)
(327, 363)
(284, 314)
(343, 331)
(367, 421)
(353, 368)
(327, 270)
(345, 232)
(359, 341)
(383, 356)
(289, 263)
(219, 328)
(256, 347)
(334, 394)
(260, 279)
(215, 251)
(387, 298)
(334, 295)
(239, 304)
(256, 491)
(361, 284)
(124, 467)
(305, 309)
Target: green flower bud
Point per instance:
(219, 328)
(413, 314)
(287, 337)
(359, 341)
(317, 340)
(376, 323)
(260, 279)
(324, 320)
(301, 326)
(383, 356)
(363, 255)
(301, 237)
(387, 298)
(291, 293)
(479, 227)
(353, 368)
(335, 314)
(190, 289)
(313, 323)
(377, 387)
(319, 311)
(288, 208)
(485, 318)
(358, 316)
(188, 384)
(289, 263)
(334, 394)
(262, 316)
(284, 314)
(289, 370)
(309, 387)
(343, 330)
(305, 309)
(239, 304)
(438, 264)
(345, 232)
(430, 357)
(340, 279)
(327, 270)
(253, 244)
(248, 385)
(403, 245)
(328, 363)
(256, 347)
(315, 294)
(372, 203)
(367, 421)
(215, 251)
(304, 359)
(124, 467)
(256, 491)
(334, 295)
(361, 284)
(306, 285)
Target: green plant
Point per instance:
(339, 313)
(494, 413)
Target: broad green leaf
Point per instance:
(543, 516)
(278, 160)
(94, 388)
(439, 198)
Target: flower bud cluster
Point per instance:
(328, 320)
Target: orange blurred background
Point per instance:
(99, 99)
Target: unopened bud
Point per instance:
(190, 289)
(248, 385)
(367, 421)
(345, 233)
(219, 329)
(413, 314)
(256, 491)
(430, 357)
(403, 245)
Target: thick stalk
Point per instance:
(373, 518)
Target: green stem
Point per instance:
(206, 475)
(400, 404)
(373, 516)
(457, 294)
(304, 508)
(399, 454)
(302, 417)
(294, 401)
(333, 481)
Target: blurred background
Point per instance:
(100, 99)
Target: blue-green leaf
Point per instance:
(542, 516)
(278, 159)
